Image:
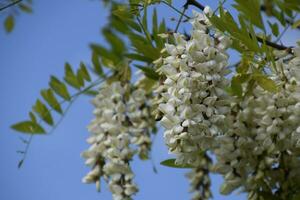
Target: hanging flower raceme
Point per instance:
(194, 101)
(200, 180)
(120, 130)
(261, 149)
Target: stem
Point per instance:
(180, 19)
(195, 3)
(10, 5)
(175, 9)
(284, 31)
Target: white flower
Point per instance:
(263, 139)
(193, 102)
(121, 122)
(200, 180)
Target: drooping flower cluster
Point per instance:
(200, 180)
(122, 119)
(194, 101)
(262, 147)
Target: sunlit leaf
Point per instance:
(266, 83)
(49, 97)
(117, 44)
(28, 127)
(149, 72)
(9, 23)
(296, 24)
(44, 113)
(71, 78)
(236, 86)
(59, 88)
(96, 64)
(250, 10)
(32, 117)
(25, 8)
(83, 74)
(274, 28)
(139, 57)
(171, 163)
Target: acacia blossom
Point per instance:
(261, 147)
(120, 130)
(193, 99)
(199, 180)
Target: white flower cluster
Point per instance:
(262, 147)
(122, 119)
(194, 102)
(200, 180)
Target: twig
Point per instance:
(284, 31)
(10, 5)
(180, 19)
(194, 3)
(175, 9)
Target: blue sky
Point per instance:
(60, 31)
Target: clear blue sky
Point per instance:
(60, 31)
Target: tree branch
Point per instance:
(259, 39)
(10, 5)
(194, 3)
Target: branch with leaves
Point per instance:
(259, 39)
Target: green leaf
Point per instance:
(71, 78)
(147, 84)
(83, 74)
(91, 92)
(118, 25)
(241, 35)
(157, 30)
(274, 27)
(236, 86)
(162, 27)
(154, 22)
(243, 67)
(59, 88)
(44, 113)
(49, 97)
(25, 8)
(266, 83)
(145, 17)
(109, 59)
(28, 127)
(96, 64)
(296, 24)
(9, 23)
(32, 117)
(142, 46)
(250, 10)
(171, 163)
(125, 73)
(139, 57)
(149, 72)
(121, 11)
(115, 42)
